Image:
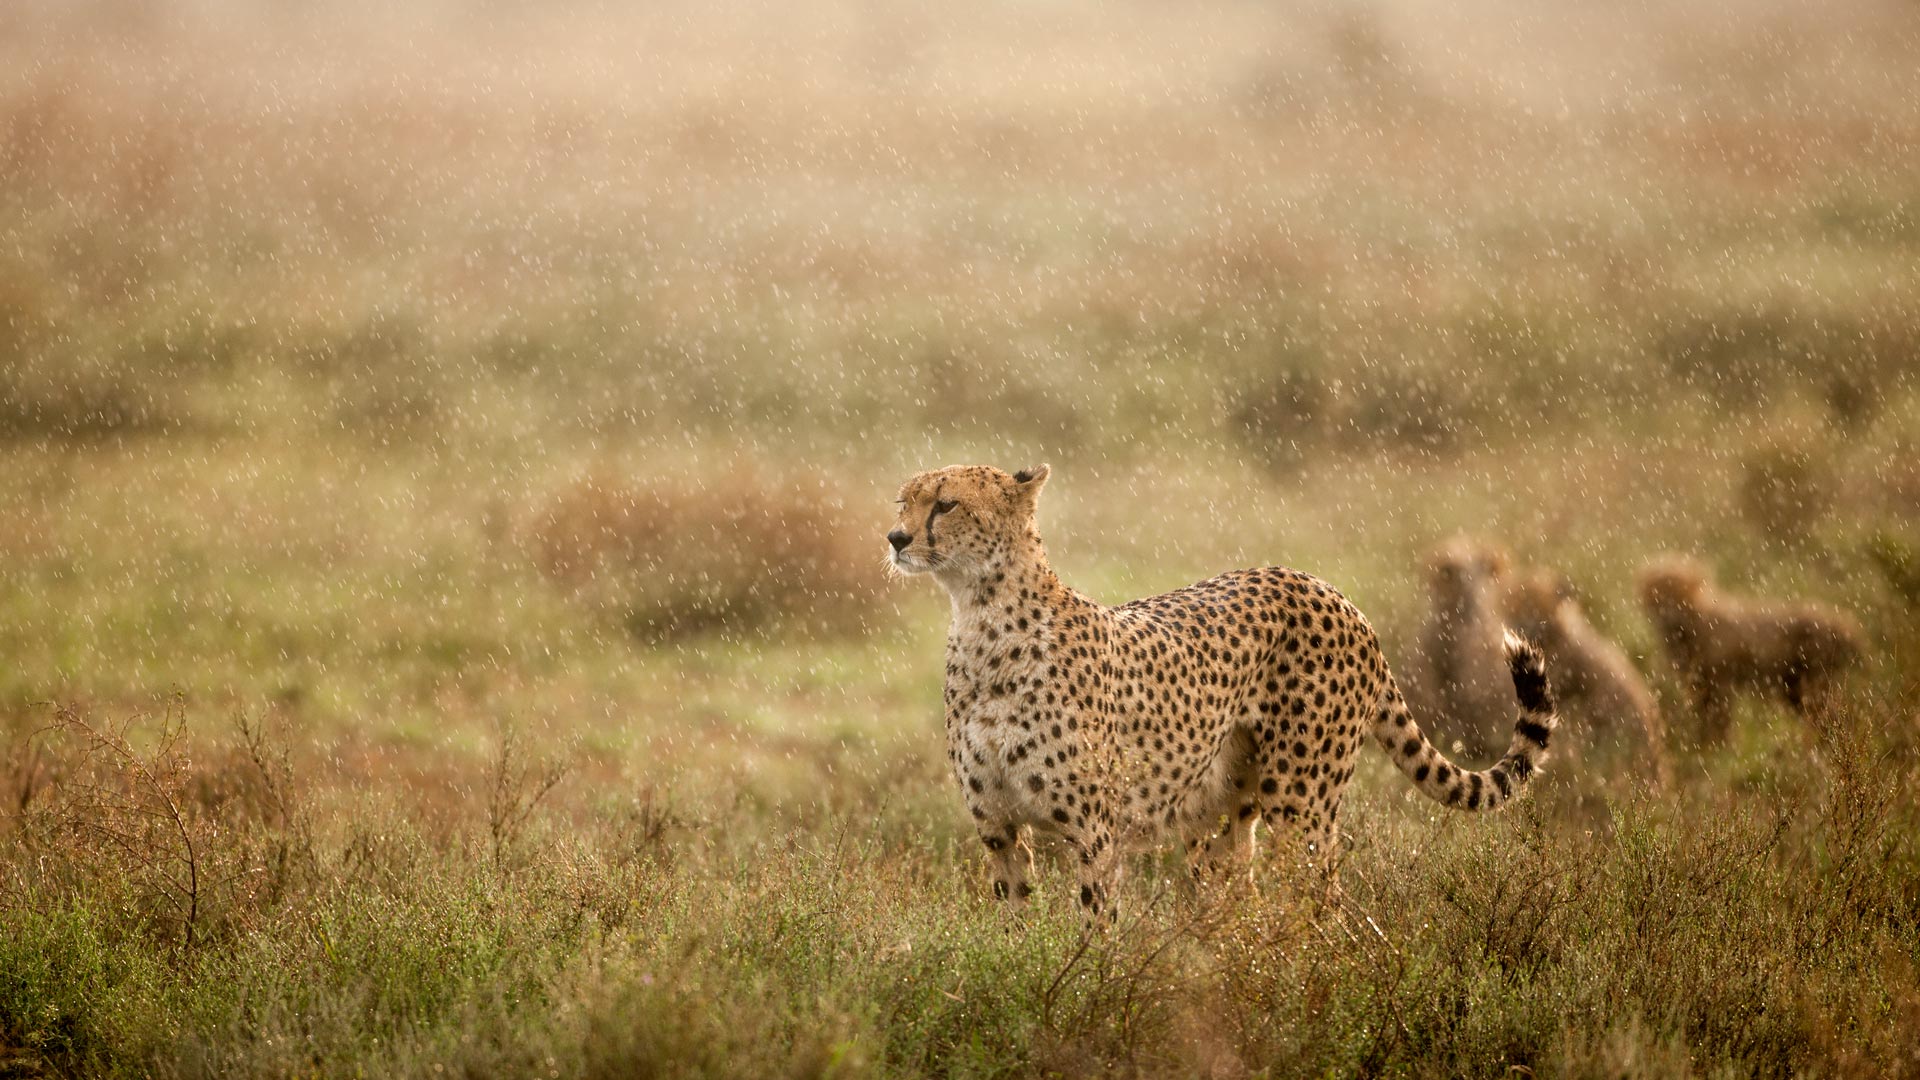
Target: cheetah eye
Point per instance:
(944, 505)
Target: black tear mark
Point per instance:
(932, 512)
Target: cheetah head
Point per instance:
(1461, 566)
(956, 521)
(1672, 586)
(1534, 602)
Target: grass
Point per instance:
(438, 449)
(652, 938)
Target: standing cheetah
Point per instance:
(1206, 710)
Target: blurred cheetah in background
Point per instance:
(1204, 711)
(1723, 645)
(1459, 673)
(1594, 682)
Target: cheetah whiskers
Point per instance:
(890, 565)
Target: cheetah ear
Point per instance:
(1496, 561)
(1028, 482)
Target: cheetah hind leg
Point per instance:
(1224, 850)
(1307, 850)
(1323, 847)
(1009, 864)
(1220, 844)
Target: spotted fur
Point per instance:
(1207, 711)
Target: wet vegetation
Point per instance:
(445, 449)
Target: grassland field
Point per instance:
(445, 449)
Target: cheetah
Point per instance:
(1594, 682)
(1460, 672)
(1721, 644)
(1204, 712)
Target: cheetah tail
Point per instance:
(1445, 782)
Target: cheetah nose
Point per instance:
(899, 538)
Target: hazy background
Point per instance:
(424, 376)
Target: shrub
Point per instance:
(1737, 358)
(1281, 416)
(1785, 492)
(1746, 357)
(737, 553)
(1899, 563)
(1285, 415)
(122, 812)
(1410, 408)
(46, 393)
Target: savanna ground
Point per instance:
(445, 447)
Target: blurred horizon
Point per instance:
(516, 283)
(475, 255)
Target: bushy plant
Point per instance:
(734, 553)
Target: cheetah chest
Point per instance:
(1013, 741)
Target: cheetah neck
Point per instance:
(1467, 603)
(995, 587)
(1681, 628)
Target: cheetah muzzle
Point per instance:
(1208, 711)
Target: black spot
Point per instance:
(1086, 896)
(1000, 890)
(1059, 815)
(1270, 786)
(1023, 890)
(1410, 747)
(1420, 774)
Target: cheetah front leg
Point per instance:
(1009, 864)
(1099, 874)
(1712, 707)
